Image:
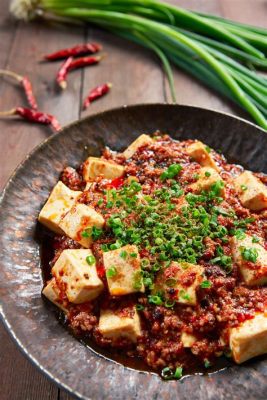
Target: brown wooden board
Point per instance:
(137, 78)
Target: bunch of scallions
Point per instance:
(221, 53)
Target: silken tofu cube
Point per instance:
(200, 153)
(94, 167)
(253, 272)
(59, 202)
(77, 276)
(142, 140)
(207, 177)
(52, 292)
(251, 191)
(188, 339)
(78, 223)
(123, 270)
(249, 339)
(179, 282)
(118, 324)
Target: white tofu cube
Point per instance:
(249, 339)
(251, 191)
(199, 152)
(123, 323)
(142, 140)
(78, 223)
(78, 276)
(59, 202)
(123, 271)
(94, 167)
(52, 292)
(253, 273)
(188, 339)
(173, 281)
(207, 177)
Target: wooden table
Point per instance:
(137, 78)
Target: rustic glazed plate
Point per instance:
(32, 322)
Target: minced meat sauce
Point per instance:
(163, 174)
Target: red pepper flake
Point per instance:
(26, 84)
(62, 73)
(78, 50)
(96, 93)
(116, 183)
(34, 116)
(101, 272)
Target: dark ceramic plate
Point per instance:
(32, 322)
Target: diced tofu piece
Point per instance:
(88, 186)
(253, 273)
(52, 293)
(123, 270)
(78, 277)
(251, 191)
(179, 282)
(249, 339)
(142, 140)
(78, 223)
(123, 323)
(188, 339)
(94, 167)
(59, 202)
(199, 152)
(207, 177)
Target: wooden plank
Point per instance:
(135, 73)
(137, 77)
(30, 43)
(7, 32)
(188, 89)
(246, 11)
(21, 50)
(20, 379)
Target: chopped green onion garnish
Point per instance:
(205, 284)
(249, 254)
(90, 260)
(111, 272)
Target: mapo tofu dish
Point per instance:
(159, 252)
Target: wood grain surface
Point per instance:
(137, 78)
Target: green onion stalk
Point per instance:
(223, 54)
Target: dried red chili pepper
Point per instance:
(84, 62)
(34, 116)
(78, 50)
(26, 84)
(116, 183)
(95, 93)
(70, 65)
(62, 73)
